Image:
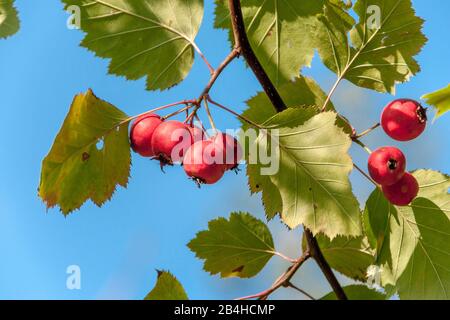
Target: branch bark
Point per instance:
(243, 45)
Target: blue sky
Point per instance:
(146, 226)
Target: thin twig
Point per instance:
(366, 132)
(282, 281)
(365, 174)
(200, 53)
(173, 114)
(291, 285)
(361, 144)
(208, 113)
(221, 106)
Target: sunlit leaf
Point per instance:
(167, 288)
(147, 38)
(383, 45)
(414, 252)
(9, 20)
(440, 100)
(312, 172)
(357, 292)
(282, 33)
(238, 247)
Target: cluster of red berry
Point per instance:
(204, 159)
(402, 120)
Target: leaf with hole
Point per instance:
(89, 157)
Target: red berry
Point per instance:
(403, 192)
(230, 150)
(387, 165)
(404, 119)
(141, 134)
(200, 163)
(170, 141)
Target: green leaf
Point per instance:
(9, 20)
(167, 288)
(314, 166)
(282, 33)
(299, 93)
(90, 155)
(414, 255)
(440, 100)
(382, 52)
(238, 247)
(349, 256)
(357, 292)
(143, 38)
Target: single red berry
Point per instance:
(170, 141)
(404, 119)
(387, 165)
(230, 150)
(403, 192)
(141, 134)
(201, 163)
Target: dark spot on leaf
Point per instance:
(257, 186)
(238, 269)
(85, 157)
(315, 206)
(159, 272)
(310, 189)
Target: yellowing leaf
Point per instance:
(143, 38)
(238, 247)
(9, 21)
(90, 155)
(440, 100)
(167, 288)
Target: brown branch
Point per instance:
(283, 281)
(242, 43)
(317, 255)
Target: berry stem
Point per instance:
(234, 113)
(200, 53)
(360, 143)
(291, 285)
(366, 132)
(173, 114)
(208, 112)
(365, 174)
